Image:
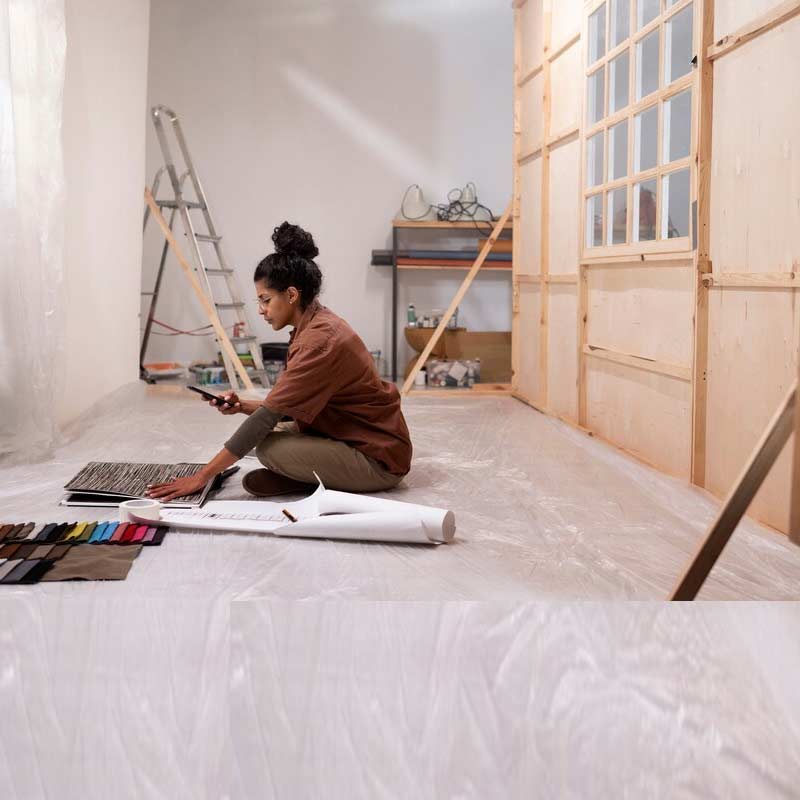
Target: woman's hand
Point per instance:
(232, 404)
(178, 487)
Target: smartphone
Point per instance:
(208, 396)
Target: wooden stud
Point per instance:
(583, 325)
(544, 233)
(456, 301)
(704, 101)
(211, 312)
(741, 495)
(783, 12)
(794, 502)
(515, 200)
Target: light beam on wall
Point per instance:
(382, 144)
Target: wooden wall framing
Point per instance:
(676, 351)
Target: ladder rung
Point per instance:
(219, 272)
(202, 237)
(243, 338)
(229, 305)
(174, 204)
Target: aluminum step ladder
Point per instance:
(231, 303)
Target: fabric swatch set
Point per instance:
(31, 552)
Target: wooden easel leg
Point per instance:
(741, 495)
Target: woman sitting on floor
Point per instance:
(347, 423)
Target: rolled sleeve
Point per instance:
(252, 431)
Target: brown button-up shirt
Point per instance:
(331, 387)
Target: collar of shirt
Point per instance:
(308, 315)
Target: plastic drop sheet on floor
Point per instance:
(155, 686)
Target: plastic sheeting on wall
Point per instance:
(32, 57)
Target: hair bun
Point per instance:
(292, 240)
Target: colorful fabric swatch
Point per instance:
(33, 551)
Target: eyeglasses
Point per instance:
(262, 303)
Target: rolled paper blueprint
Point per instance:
(324, 515)
(436, 527)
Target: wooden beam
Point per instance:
(529, 76)
(561, 49)
(435, 223)
(211, 312)
(515, 198)
(456, 301)
(639, 362)
(562, 137)
(683, 259)
(753, 280)
(741, 495)
(781, 13)
(544, 226)
(704, 100)
(522, 158)
(565, 278)
(794, 508)
(479, 389)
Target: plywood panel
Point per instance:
(530, 218)
(531, 26)
(566, 21)
(755, 185)
(531, 114)
(729, 16)
(649, 415)
(564, 208)
(527, 381)
(566, 76)
(644, 311)
(562, 346)
(752, 361)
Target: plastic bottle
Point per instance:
(412, 316)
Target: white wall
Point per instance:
(103, 139)
(322, 113)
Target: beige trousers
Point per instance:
(295, 455)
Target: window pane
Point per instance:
(619, 22)
(645, 142)
(594, 221)
(617, 216)
(646, 11)
(647, 65)
(618, 151)
(644, 211)
(594, 159)
(678, 45)
(675, 204)
(618, 83)
(596, 88)
(597, 34)
(677, 126)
